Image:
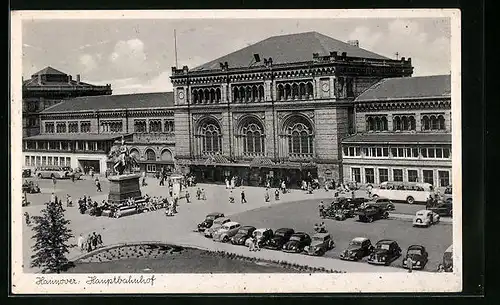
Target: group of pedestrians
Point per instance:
(89, 243)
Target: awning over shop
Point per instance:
(262, 162)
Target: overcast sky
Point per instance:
(137, 55)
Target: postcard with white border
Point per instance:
(256, 151)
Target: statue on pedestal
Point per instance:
(124, 162)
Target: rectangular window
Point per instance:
(444, 178)
(423, 151)
(27, 161)
(68, 161)
(369, 175)
(56, 161)
(352, 151)
(428, 176)
(61, 128)
(38, 162)
(431, 152)
(414, 151)
(44, 161)
(446, 153)
(385, 152)
(151, 168)
(49, 161)
(397, 174)
(356, 174)
(49, 127)
(84, 126)
(73, 127)
(383, 175)
(412, 175)
(33, 162)
(139, 126)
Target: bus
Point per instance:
(410, 192)
(54, 171)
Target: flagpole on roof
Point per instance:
(175, 47)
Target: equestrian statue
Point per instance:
(124, 162)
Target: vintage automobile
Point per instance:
(370, 213)
(448, 259)
(385, 252)
(262, 235)
(281, 236)
(243, 234)
(30, 187)
(26, 173)
(381, 202)
(321, 243)
(297, 242)
(425, 218)
(448, 194)
(226, 231)
(418, 256)
(215, 226)
(342, 208)
(209, 220)
(443, 209)
(358, 248)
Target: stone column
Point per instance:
(332, 86)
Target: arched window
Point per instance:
(441, 122)
(217, 95)
(195, 96)
(255, 93)
(166, 155)
(261, 93)
(434, 123)
(211, 137)
(384, 123)
(370, 126)
(295, 91)
(302, 91)
(207, 96)
(242, 94)
(300, 136)
(404, 123)
(426, 124)
(281, 92)
(134, 152)
(396, 123)
(412, 123)
(378, 123)
(150, 155)
(309, 90)
(236, 94)
(252, 134)
(288, 91)
(248, 94)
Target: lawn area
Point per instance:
(186, 261)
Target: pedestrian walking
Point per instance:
(231, 197)
(243, 199)
(266, 196)
(251, 246)
(52, 197)
(88, 245)
(162, 181)
(69, 201)
(94, 240)
(409, 263)
(198, 194)
(98, 184)
(27, 219)
(203, 195)
(80, 242)
(321, 208)
(276, 194)
(170, 190)
(188, 197)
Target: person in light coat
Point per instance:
(81, 242)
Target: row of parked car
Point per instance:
(384, 252)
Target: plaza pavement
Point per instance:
(178, 229)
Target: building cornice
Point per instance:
(414, 104)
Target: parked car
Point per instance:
(448, 194)
(371, 213)
(385, 252)
(262, 235)
(358, 248)
(418, 255)
(448, 259)
(30, 187)
(243, 234)
(281, 236)
(381, 202)
(209, 220)
(443, 209)
(425, 218)
(26, 173)
(217, 223)
(226, 231)
(321, 243)
(297, 242)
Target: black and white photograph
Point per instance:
(258, 151)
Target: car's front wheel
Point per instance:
(410, 200)
(370, 219)
(225, 239)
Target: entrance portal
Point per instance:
(86, 165)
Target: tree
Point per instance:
(52, 235)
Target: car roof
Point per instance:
(221, 219)
(262, 229)
(231, 223)
(322, 235)
(416, 247)
(300, 233)
(247, 227)
(359, 239)
(215, 214)
(385, 241)
(424, 211)
(284, 230)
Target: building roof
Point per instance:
(408, 87)
(48, 71)
(79, 137)
(395, 138)
(286, 49)
(108, 102)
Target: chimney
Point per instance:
(354, 43)
(78, 79)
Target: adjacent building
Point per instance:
(48, 87)
(81, 132)
(276, 109)
(403, 132)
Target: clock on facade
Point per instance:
(326, 87)
(181, 95)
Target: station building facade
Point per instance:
(48, 87)
(276, 109)
(403, 133)
(81, 132)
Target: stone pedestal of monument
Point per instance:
(123, 187)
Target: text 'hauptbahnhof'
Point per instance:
(287, 107)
